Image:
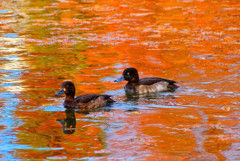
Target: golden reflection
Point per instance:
(61, 140)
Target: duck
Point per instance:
(83, 102)
(145, 85)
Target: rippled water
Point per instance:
(195, 42)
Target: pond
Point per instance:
(91, 42)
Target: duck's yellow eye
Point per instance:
(128, 73)
(64, 89)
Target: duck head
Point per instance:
(130, 75)
(68, 88)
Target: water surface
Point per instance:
(90, 42)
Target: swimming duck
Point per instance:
(85, 102)
(145, 85)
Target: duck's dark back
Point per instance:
(152, 80)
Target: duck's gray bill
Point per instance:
(119, 79)
(61, 92)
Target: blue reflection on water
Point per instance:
(10, 35)
(9, 101)
(7, 119)
(4, 11)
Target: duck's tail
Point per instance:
(172, 86)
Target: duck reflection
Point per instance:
(135, 98)
(69, 124)
(156, 99)
(130, 97)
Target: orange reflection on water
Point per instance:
(91, 42)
